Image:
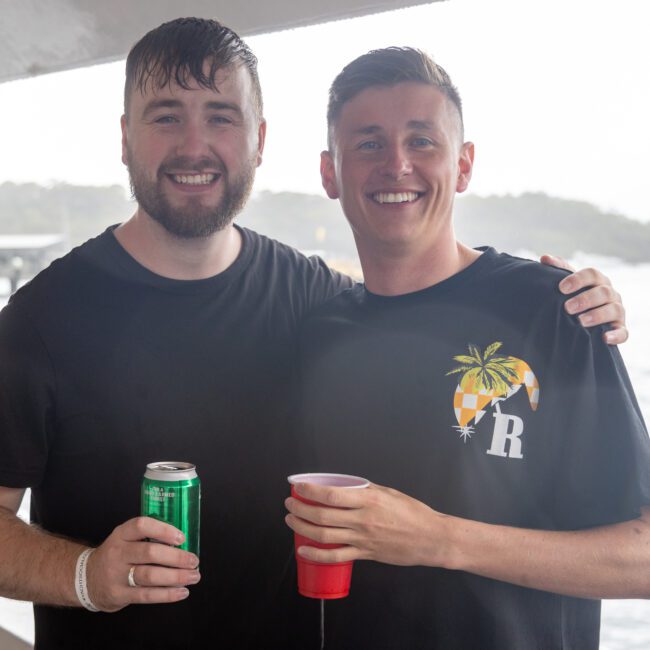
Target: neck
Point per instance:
(395, 271)
(172, 257)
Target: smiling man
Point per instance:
(396, 160)
(515, 451)
(170, 337)
(191, 155)
(192, 138)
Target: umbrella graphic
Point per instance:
(487, 379)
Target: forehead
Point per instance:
(232, 83)
(398, 106)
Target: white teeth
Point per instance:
(394, 197)
(195, 179)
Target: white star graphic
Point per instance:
(465, 432)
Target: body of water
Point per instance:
(625, 623)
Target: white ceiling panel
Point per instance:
(41, 36)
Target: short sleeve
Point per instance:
(601, 450)
(324, 283)
(26, 400)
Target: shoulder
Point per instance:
(263, 247)
(348, 307)
(528, 290)
(57, 273)
(50, 290)
(522, 272)
(284, 265)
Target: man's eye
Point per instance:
(220, 119)
(421, 142)
(166, 119)
(369, 145)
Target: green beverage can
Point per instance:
(171, 492)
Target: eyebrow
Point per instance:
(156, 104)
(367, 130)
(224, 106)
(425, 125)
(421, 125)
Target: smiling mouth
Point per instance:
(396, 197)
(194, 179)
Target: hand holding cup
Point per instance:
(315, 579)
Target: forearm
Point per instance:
(388, 526)
(607, 562)
(35, 565)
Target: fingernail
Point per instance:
(571, 306)
(609, 337)
(194, 577)
(566, 285)
(183, 593)
(586, 319)
(180, 538)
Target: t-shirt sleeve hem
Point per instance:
(12, 479)
(622, 517)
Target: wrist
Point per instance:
(451, 539)
(81, 580)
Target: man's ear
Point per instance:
(261, 139)
(465, 166)
(328, 175)
(124, 140)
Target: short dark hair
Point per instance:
(387, 67)
(177, 51)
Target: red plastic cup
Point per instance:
(315, 579)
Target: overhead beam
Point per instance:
(42, 36)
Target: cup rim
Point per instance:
(358, 481)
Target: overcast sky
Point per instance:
(556, 96)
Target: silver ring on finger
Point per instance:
(131, 578)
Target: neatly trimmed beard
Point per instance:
(193, 219)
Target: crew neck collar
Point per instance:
(131, 268)
(478, 266)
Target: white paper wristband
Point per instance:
(80, 583)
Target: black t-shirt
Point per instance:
(105, 367)
(481, 397)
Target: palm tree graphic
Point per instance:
(487, 379)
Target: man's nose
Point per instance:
(193, 141)
(397, 162)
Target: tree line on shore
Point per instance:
(534, 222)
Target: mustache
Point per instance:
(197, 165)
